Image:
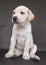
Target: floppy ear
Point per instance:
(31, 16)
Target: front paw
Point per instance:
(26, 56)
(9, 54)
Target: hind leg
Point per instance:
(32, 53)
(18, 52)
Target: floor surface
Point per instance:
(20, 61)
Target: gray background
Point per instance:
(38, 7)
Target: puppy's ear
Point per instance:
(31, 16)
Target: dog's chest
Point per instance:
(21, 37)
(21, 33)
(20, 42)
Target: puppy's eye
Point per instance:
(22, 12)
(13, 12)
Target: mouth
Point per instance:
(16, 22)
(19, 24)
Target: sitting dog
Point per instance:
(22, 39)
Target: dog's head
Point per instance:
(22, 14)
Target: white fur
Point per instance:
(23, 34)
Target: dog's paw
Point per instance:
(26, 56)
(9, 54)
(35, 57)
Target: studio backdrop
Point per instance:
(38, 7)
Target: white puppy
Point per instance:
(22, 39)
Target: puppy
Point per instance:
(22, 39)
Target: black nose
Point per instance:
(14, 18)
